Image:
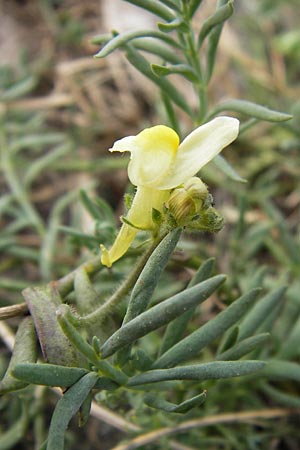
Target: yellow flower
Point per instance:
(158, 164)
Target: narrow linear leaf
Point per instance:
(16, 432)
(243, 347)
(199, 372)
(19, 89)
(121, 40)
(149, 277)
(155, 402)
(156, 7)
(289, 400)
(190, 346)
(223, 165)
(181, 69)
(141, 64)
(212, 46)
(161, 314)
(42, 303)
(220, 16)
(282, 370)
(177, 327)
(193, 6)
(44, 162)
(251, 109)
(48, 374)
(260, 312)
(66, 407)
(176, 24)
(171, 4)
(150, 46)
(24, 351)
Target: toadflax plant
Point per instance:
(93, 349)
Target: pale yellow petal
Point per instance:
(200, 147)
(140, 216)
(152, 156)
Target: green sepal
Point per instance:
(251, 109)
(221, 15)
(190, 346)
(24, 351)
(199, 372)
(65, 409)
(156, 216)
(155, 402)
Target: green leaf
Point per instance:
(48, 374)
(141, 64)
(243, 347)
(154, 401)
(156, 7)
(190, 346)
(153, 47)
(160, 315)
(227, 169)
(121, 40)
(149, 277)
(251, 109)
(14, 434)
(24, 351)
(181, 69)
(283, 398)
(220, 16)
(176, 24)
(42, 303)
(199, 372)
(65, 409)
(19, 89)
(212, 46)
(177, 327)
(282, 370)
(260, 312)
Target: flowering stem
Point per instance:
(100, 314)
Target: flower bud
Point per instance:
(186, 201)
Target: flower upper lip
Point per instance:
(159, 162)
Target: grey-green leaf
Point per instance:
(251, 109)
(260, 312)
(217, 18)
(190, 346)
(48, 374)
(243, 347)
(24, 351)
(161, 314)
(149, 277)
(199, 372)
(122, 39)
(66, 407)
